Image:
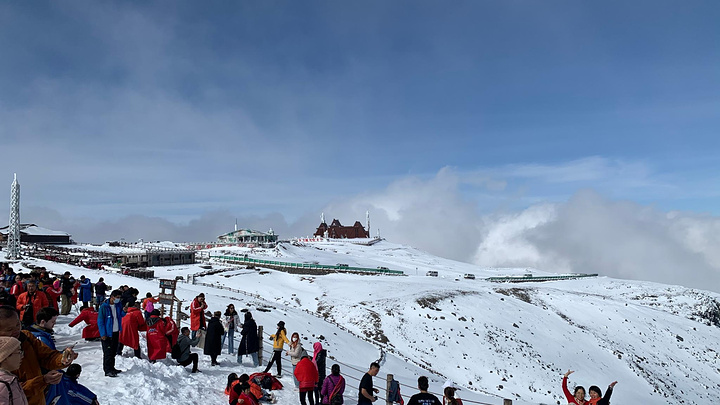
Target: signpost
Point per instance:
(167, 295)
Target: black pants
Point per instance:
(137, 353)
(309, 397)
(192, 359)
(109, 346)
(277, 360)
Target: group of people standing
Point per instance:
(32, 370)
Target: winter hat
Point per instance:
(451, 384)
(281, 324)
(8, 345)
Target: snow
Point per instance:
(40, 231)
(495, 340)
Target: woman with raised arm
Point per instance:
(578, 395)
(596, 396)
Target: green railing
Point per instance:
(309, 266)
(527, 279)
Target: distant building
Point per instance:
(169, 257)
(337, 231)
(31, 233)
(249, 236)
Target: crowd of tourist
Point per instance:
(33, 371)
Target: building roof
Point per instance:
(32, 229)
(245, 232)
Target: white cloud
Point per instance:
(591, 234)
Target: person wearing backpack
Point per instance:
(333, 387)
(11, 393)
(183, 344)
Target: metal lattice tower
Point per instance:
(13, 246)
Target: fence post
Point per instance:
(507, 401)
(387, 388)
(260, 343)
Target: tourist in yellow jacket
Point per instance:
(279, 340)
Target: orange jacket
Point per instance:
(36, 355)
(39, 301)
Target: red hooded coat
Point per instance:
(53, 295)
(171, 331)
(132, 323)
(89, 316)
(157, 343)
(197, 315)
(307, 374)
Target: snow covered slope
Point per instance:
(496, 340)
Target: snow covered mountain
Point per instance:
(496, 340)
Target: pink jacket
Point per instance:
(18, 395)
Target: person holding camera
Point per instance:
(367, 391)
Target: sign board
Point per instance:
(165, 299)
(165, 283)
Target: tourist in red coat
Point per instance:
(75, 288)
(157, 343)
(171, 332)
(18, 287)
(132, 323)
(307, 374)
(197, 314)
(89, 316)
(53, 296)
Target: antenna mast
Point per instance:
(13, 246)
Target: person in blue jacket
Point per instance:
(69, 391)
(85, 293)
(43, 329)
(110, 324)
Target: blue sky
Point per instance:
(275, 111)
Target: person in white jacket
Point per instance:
(231, 323)
(296, 353)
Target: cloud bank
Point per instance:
(588, 233)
